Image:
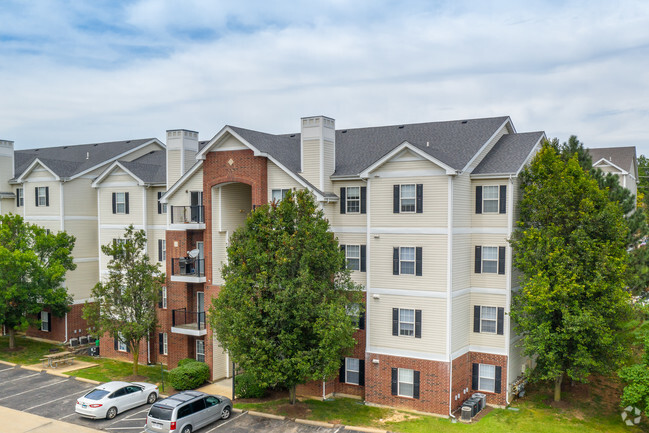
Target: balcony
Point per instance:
(188, 217)
(188, 270)
(188, 322)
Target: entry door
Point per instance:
(200, 308)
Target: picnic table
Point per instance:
(54, 359)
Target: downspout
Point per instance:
(449, 293)
(66, 328)
(148, 350)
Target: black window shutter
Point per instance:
(342, 248)
(415, 387)
(126, 202)
(36, 195)
(114, 203)
(47, 196)
(395, 200)
(417, 323)
(501, 260)
(343, 203)
(474, 376)
(160, 301)
(503, 199)
(341, 375)
(17, 198)
(420, 198)
(115, 342)
(501, 321)
(363, 256)
(159, 204)
(395, 381)
(499, 372)
(161, 343)
(159, 250)
(478, 199)
(476, 318)
(395, 261)
(361, 320)
(395, 321)
(361, 372)
(418, 255)
(363, 199)
(478, 259)
(39, 316)
(128, 349)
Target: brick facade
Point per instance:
(77, 326)
(498, 360)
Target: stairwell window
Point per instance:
(163, 343)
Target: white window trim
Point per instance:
(121, 346)
(21, 197)
(413, 261)
(399, 383)
(354, 311)
(490, 260)
(414, 210)
(480, 388)
(200, 343)
(497, 199)
(413, 322)
(358, 258)
(47, 316)
(43, 196)
(165, 344)
(164, 297)
(282, 191)
(164, 250)
(118, 203)
(482, 319)
(353, 200)
(349, 370)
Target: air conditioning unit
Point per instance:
(482, 399)
(74, 342)
(471, 404)
(83, 340)
(466, 414)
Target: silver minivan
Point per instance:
(187, 411)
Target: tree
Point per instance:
(282, 312)
(570, 246)
(124, 305)
(33, 265)
(636, 392)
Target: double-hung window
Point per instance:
(163, 343)
(407, 260)
(408, 198)
(200, 350)
(278, 195)
(120, 202)
(490, 199)
(352, 370)
(45, 321)
(405, 382)
(162, 207)
(162, 250)
(489, 260)
(406, 322)
(121, 345)
(488, 319)
(358, 317)
(353, 256)
(20, 197)
(487, 378)
(42, 196)
(353, 199)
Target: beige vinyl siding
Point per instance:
(279, 179)
(462, 327)
(336, 219)
(230, 143)
(355, 239)
(435, 202)
(134, 215)
(152, 245)
(488, 280)
(485, 339)
(504, 130)
(85, 232)
(80, 282)
(311, 161)
(8, 205)
(79, 198)
(182, 198)
(463, 206)
(54, 209)
(462, 261)
(433, 276)
(488, 219)
(433, 323)
(6, 171)
(106, 237)
(174, 170)
(152, 207)
(190, 159)
(219, 361)
(517, 362)
(329, 165)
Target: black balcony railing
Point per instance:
(182, 318)
(188, 266)
(187, 214)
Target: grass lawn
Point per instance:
(27, 351)
(111, 369)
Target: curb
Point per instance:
(33, 368)
(83, 379)
(234, 409)
(365, 429)
(266, 415)
(315, 423)
(11, 364)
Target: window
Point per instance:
(162, 250)
(211, 401)
(20, 197)
(353, 256)
(200, 350)
(184, 411)
(121, 345)
(353, 199)
(163, 298)
(120, 202)
(488, 320)
(45, 321)
(162, 207)
(121, 243)
(406, 322)
(490, 199)
(406, 382)
(162, 343)
(352, 371)
(407, 260)
(358, 317)
(487, 378)
(42, 196)
(278, 195)
(490, 260)
(407, 198)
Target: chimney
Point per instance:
(6, 165)
(182, 147)
(318, 151)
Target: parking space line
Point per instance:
(67, 416)
(224, 423)
(133, 419)
(138, 412)
(35, 389)
(20, 378)
(122, 428)
(50, 401)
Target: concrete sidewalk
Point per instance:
(22, 422)
(222, 387)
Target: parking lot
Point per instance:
(54, 397)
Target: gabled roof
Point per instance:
(623, 158)
(74, 160)
(149, 169)
(509, 153)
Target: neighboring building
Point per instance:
(621, 161)
(52, 187)
(424, 212)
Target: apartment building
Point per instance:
(423, 212)
(621, 162)
(53, 187)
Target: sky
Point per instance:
(74, 72)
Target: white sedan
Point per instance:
(109, 399)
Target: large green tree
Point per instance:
(283, 310)
(570, 246)
(124, 304)
(33, 265)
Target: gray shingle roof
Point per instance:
(66, 161)
(508, 154)
(623, 157)
(151, 167)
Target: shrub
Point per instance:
(186, 361)
(189, 375)
(247, 386)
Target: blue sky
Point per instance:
(76, 72)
